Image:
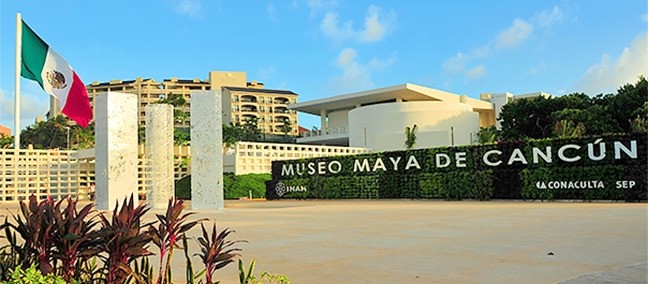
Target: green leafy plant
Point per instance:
(126, 240)
(33, 275)
(246, 276)
(410, 136)
(274, 278)
(216, 251)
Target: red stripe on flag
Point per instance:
(77, 106)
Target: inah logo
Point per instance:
(56, 79)
(280, 188)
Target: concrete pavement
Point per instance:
(404, 241)
(361, 241)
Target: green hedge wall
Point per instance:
(234, 186)
(603, 176)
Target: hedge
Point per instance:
(234, 186)
(469, 176)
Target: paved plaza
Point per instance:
(403, 241)
(440, 242)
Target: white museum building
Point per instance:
(376, 119)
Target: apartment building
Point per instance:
(242, 100)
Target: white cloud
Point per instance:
(330, 27)
(31, 106)
(514, 35)
(376, 26)
(476, 72)
(189, 7)
(319, 5)
(610, 73)
(356, 75)
(374, 30)
(547, 19)
(272, 13)
(456, 64)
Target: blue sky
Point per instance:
(321, 48)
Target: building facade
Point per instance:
(242, 100)
(376, 119)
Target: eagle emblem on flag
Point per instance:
(56, 79)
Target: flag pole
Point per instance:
(17, 82)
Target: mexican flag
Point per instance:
(42, 64)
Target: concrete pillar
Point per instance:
(116, 149)
(206, 150)
(159, 155)
(323, 115)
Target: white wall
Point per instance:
(382, 127)
(338, 119)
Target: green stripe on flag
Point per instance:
(33, 54)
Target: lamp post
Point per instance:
(67, 128)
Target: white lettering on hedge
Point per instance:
(596, 151)
(412, 162)
(357, 166)
(338, 165)
(395, 162)
(590, 151)
(488, 162)
(311, 169)
(460, 158)
(546, 156)
(561, 153)
(379, 165)
(587, 184)
(438, 159)
(517, 156)
(632, 152)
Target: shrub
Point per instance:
(234, 186)
(33, 275)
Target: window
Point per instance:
(236, 108)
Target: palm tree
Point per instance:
(410, 136)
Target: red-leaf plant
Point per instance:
(170, 230)
(73, 237)
(216, 251)
(35, 225)
(124, 239)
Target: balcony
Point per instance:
(249, 108)
(248, 99)
(330, 136)
(281, 101)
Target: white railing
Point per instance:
(59, 173)
(255, 157)
(327, 131)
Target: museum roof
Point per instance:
(406, 92)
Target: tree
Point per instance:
(53, 133)
(286, 127)
(6, 141)
(410, 136)
(181, 135)
(487, 135)
(567, 129)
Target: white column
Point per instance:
(159, 154)
(323, 115)
(206, 150)
(116, 149)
